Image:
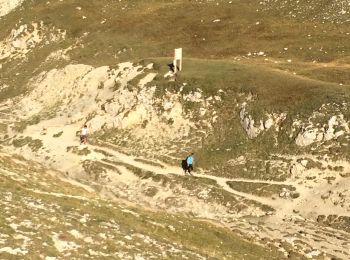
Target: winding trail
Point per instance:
(275, 227)
(168, 169)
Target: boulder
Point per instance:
(297, 168)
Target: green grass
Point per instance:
(275, 91)
(327, 73)
(3, 128)
(309, 10)
(192, 186)
(33, 144)
(46, 113)
(260, 189)
(58, 134)
(335, 221)
(78, 151)
(147, 29)
(149, 162)
(144, 31)
(97, 170)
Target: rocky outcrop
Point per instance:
(312, 131)
(308, 136)
(26, 37)
(298, 168)
(7, 6)
(319, 127)
(249, 125)
(109, 98)
(253, 128)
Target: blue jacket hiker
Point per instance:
(189, 161)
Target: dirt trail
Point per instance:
(167, 169)
(311, 238)
(283, 223)
(56, 148)
(275, 226)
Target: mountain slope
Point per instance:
(262, 101)
(45, 216)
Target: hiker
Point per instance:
(83, 135)
(172, 74)
(189, 161)
(172, 67)
(184, 165)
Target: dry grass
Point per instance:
(114, 229)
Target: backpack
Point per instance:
(184, 164)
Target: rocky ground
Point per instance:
(297, 213)
(270, 136)
(47, 216)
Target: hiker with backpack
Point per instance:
(187, 164)
(189, 161)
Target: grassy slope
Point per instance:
(154, 28)
(143, 29)
(30, 196)
(276, 91)
(146, 29)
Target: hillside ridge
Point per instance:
(262, 101)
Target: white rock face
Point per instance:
(268, 123)
(252, 128)
(26, 37)
(297, 169)
(3, 87)
(238, 161)
(105, 99)
(335, 127)
(6, 6)
(308, 137)
(194, 96)
(248, 124)
(168, 105)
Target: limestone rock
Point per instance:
(254, 128)
(307, 137)
(6, 6)
(297, 169)
(312, 133)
